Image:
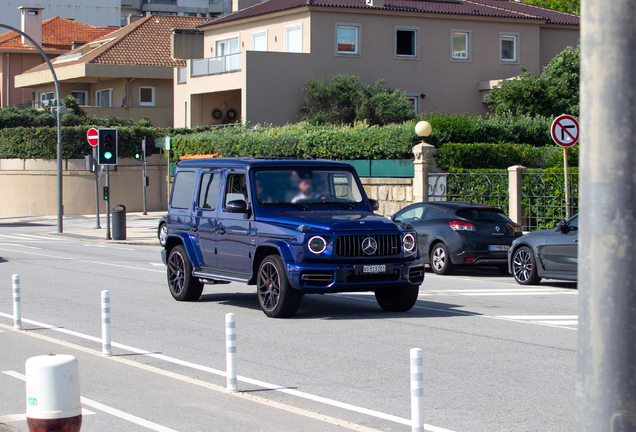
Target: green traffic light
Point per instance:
(108, 155)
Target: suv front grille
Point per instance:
(351, 246)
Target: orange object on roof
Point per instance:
(206, 156)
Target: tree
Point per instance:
(570, 6)
(553, 92)
(345, 100)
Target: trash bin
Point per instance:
(119, 222)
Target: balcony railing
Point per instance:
(170, 2)
(216, 65)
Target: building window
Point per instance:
(146, 96)
(347, 39)
(294, 38)
(46, 99)
(104, 98)
(415, 100)
(81, 97)
(460, 44)
(182, 75)
(508, 47)
(259, 41)
(406, 42)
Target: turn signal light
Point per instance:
(461, 226)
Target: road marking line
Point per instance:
(80, 260)
(541, 317)
(19, 245)
(257, 399)
(109, 410)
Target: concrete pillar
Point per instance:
(425, 155)
(514, 193)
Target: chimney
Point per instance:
(31, 24)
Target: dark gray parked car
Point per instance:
(550, 254)
(453, 233)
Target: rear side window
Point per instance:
(209, 192)
(483, 214)
(183, 188)
(432, 212)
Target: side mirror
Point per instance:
(561, 226)
(375, 205)
(238, 206)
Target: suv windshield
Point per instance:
(306, 187)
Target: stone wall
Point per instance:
(393, 194)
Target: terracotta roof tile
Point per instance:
(58, 34)
(488, 8)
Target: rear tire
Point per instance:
(275, 295)
(524, 267)
(440, 260)
(397, 300)
(183, 286)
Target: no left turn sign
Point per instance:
(565, 130)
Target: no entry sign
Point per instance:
(565, 130)
(92, 136)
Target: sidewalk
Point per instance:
(140, 229)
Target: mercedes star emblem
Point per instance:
(369, 246)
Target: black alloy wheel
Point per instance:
(183, 286)
(275, 295)
(524, 267)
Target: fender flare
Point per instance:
(188, 243)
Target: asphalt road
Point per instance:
(497, 356)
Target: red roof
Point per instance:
(486, 8)
(58, 34)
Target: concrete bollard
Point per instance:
(417, 391)
(106, 348)
(230, 352)
(53, 394)
(17, 312)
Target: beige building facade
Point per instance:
(442, 61)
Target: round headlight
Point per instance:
(317, 245)
(408, 242)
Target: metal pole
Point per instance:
(108, 203)
(143, 171)
(567, 183)
(417, 391)
(60, 207)
(17, 312)
(606, 381)
(95, 169)
(230, 352)
(106, 348)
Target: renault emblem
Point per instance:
(369, 246)
(497, 228)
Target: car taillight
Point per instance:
(461, 226)
(518, 228)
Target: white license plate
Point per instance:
(498, 248)
(374, 269)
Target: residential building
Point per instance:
(127, 73)
(444, 55)
(55, 35)
(194, 8)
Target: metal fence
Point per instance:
(480, 188)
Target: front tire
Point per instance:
(440, 260)
(275, 295)
(524, 267)
(183, 286)
(397, 300)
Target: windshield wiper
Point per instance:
(339, 203)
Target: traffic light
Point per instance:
(107, 147)
(105, 193)
(137, 152)
(147, 181)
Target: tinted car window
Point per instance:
(182, 189)
(574, 224)
(479, 214)
(433, 212)
(209, 192)
(410, 215)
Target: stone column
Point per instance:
(424, 161)
(514, 193)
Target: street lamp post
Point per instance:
(60, 207)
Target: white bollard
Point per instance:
(230, 352)
(106, 349)
(17, 313)
(417, 391)
(53, 394)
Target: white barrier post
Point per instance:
(417, 391)
(17, 313)
(53, 393)
(106, 350)
(230, 352)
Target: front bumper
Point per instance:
(329, 278)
